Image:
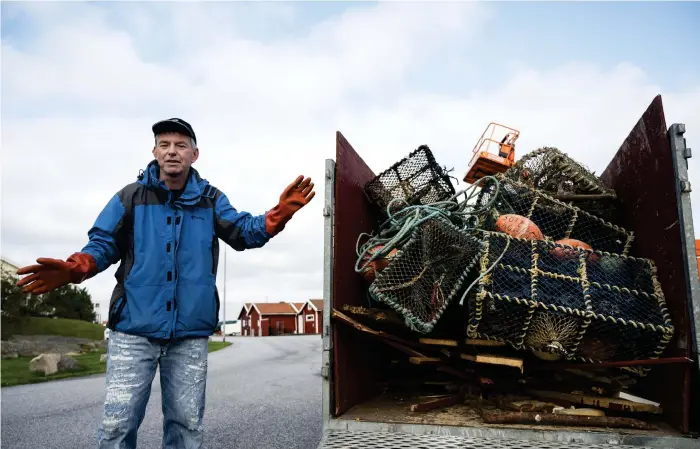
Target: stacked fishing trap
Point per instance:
(562, 302)
(416, 179)
(533, 254)
(549, 170)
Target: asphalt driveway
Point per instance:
(261, 393)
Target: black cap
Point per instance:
(174, 125)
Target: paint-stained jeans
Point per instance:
(131, 367)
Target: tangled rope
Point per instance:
(397, 229)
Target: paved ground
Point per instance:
(261, 393)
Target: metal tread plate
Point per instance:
(346, 439)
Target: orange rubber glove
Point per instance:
(51, 274)
(295, 196)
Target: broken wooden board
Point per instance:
(376, 315)
(598, 401)
(454, 343)
(393, 341)
(433, 404)
(495, 360)
(497, 417)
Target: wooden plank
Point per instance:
(425, 360)
(391, 340)
(453, 343)
(437, 403)
(598, 401)
(496, 417)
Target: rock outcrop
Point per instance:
(33, 345)
(52, 363)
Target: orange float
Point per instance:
(376, 266)
(564, 253)
(519, 227)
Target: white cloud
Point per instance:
(77, 112)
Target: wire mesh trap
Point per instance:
(415, 179)
(428, 272)
(562, 302)
(555, 219)
(552, 171)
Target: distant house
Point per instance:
(98, 313)
(244, 319)
(7, 267)
(266, 318)
(297, 306)
(312, 315)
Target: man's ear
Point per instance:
(195, 154)
(154, 153)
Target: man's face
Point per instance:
(174, 154)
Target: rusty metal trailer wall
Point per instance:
(354, 356)
(644, 176)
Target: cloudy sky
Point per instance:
(266, 85)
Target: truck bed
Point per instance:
(389, 410)
(357, 415)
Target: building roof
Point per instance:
(298, 306)
(316, 304)
(274, 308)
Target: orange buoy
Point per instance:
(376, 266)
(564, 253)
(519, 227)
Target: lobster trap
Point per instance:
(552, 171)
(563, 302)
(416, 179)
(554, 218)
(428, 272)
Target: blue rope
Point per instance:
(399, 226)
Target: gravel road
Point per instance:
(261, 393)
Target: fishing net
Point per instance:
(562, 302)
(415, 179)
(554, 172)
(555, 219)
(428, 272)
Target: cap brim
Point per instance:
(167, 126)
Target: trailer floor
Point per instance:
(394, 411)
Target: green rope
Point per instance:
(399, 226)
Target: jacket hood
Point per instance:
(193, 188)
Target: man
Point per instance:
(164, 228)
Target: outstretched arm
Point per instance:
(241, 230)
(101, 251)
(108, 229)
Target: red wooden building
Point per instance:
(244, 318)
(312, 315)
(299, 329)
(263, 319)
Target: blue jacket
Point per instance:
(169, 252)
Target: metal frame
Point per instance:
(681, 153)
(327, 331)
(341, 433)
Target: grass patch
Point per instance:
(16, 371)
(53, 326)
(216, 345)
